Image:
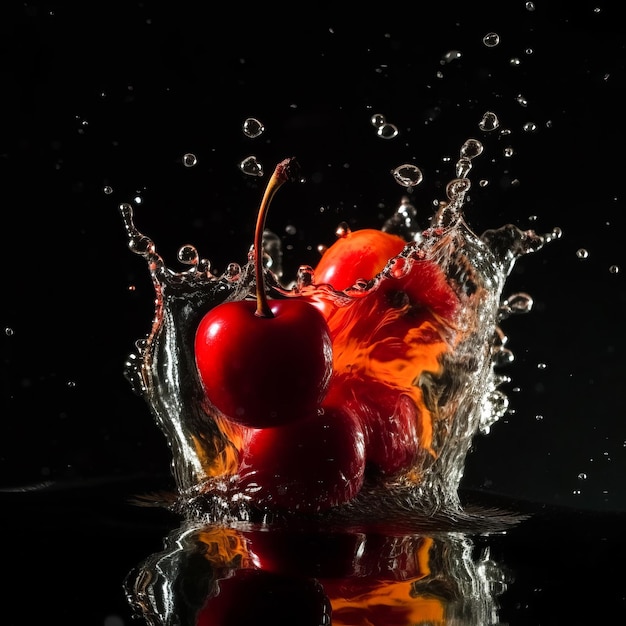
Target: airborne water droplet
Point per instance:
(377, 120)
(251, 166)
(387, 131)
(471, 149)
(189, 159)
(489, 122)
(188, 255)
(491, 40)
(253, 128)
(343, 230)
(407, 175)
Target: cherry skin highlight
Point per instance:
(267, 363)
(360, 254)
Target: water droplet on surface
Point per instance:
(189, 159)
(108, 190)
(9, 332)
(251, 166)
(530, 127)
(377, 120)
(614, 269)
(581, 253)
(489, 122)
(387, 131)
(407, 175)
(253, 128)
(491, 40)
(582, 476)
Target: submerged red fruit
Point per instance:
(360, 254)
(307, 466)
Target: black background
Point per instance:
(97, 95)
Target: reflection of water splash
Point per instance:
(463, 397)
(316, 576)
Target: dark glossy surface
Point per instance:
(69, 551)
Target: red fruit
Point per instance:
(264, 371)
(390, 419)
(358, 255)
(307, 466)
(245, 350)
(383, 341)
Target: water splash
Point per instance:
(456, 399)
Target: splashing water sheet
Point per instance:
(444, 363)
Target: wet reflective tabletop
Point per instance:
(88, 554)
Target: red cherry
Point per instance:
(390, 419)
(357, 255)
(245, 350)
(307, 466)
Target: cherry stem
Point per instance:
(286, 170)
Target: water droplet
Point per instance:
(304, 277)
(539, 418)
(253, 128)
(581, 253)
(582, 476)
(251, 166)
(514, 62)
(508, 152)
(489, 122)
(343, 230)
(614, 269)
(530, 127)
(491, 40)
(541, 366)
(387, 131)
(290, 229)
(377, 120)
(233, 270)
(108, 190)
(188, 255)
(530, 6)
(451, 55)
(407, 175)
(457, 187)
(463, 167)
(521, 100)
(189, 159)
(516, 304)
(471, 148)
(9, 332)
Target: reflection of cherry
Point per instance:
(245, 349)
(307, 466)
(256, 597)
(358, 255)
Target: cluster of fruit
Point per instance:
(348, 405)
